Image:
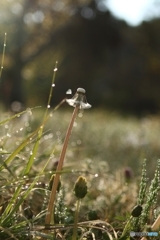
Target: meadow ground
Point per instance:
(106, 148)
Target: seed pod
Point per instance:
(51, 183)
(80, 187)
(136, 211)
(92, 215)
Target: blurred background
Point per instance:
(109, 47)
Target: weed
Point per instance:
(34, 207)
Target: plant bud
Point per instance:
(136, 211)
(80, 187)
(51, 183)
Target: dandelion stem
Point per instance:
(74, 237)
(59, 168)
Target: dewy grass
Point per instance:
(3, 54)
(78, 102)
(147, 200)
(40, 132)
(151, 195)
(19, 189)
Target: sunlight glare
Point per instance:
(133, 11)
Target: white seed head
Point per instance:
(81, 90)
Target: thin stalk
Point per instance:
(126, 227)
(36, 145)
(51, 90)
(74, 237)
(3, 54)
(59, 168)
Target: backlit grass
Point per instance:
(105, 148)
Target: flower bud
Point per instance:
(51, 183)
(80, 187)
(136, 211)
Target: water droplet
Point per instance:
(79, 142)
(80, 114)
(96, 175)
(74, 124)
(50, 135)
(26, 124)
(29, 111)
(53, 85)
(21, 129)
(48, 106)
(29, 129)
(55, 69)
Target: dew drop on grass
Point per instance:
(53, 85)
(26, 124)
(50, 135)
(21, 129)
(80, 114)
(29, 111)
(55, 70)
(74, 124)
(29, 129)
(79, 142)
(96, 175)
(48, 106)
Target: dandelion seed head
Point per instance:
(81, 90)
(69, 91)
(79, 100)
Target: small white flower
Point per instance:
(79, 99)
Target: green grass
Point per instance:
(101, 148)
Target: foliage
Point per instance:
(112, 193)
(117, 64)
